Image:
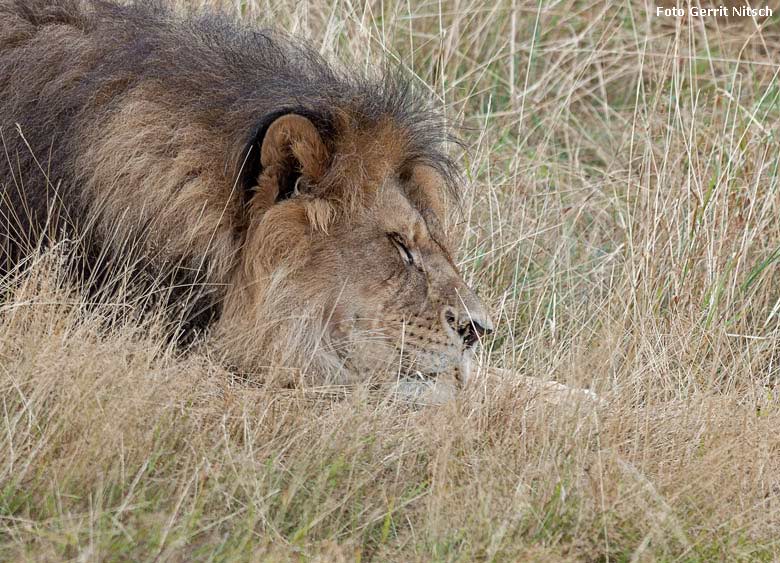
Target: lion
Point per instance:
(295, 212)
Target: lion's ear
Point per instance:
(292, 149)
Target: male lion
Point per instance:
(300, 207)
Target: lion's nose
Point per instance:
(469, 325)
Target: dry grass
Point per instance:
(621, 220)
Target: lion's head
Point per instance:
(346, 265)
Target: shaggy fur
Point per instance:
(213, 155)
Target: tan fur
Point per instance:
(150, 179)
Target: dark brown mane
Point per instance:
(230, 77)
(105, 105)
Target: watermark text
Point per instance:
(720, 11)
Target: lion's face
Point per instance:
(374, 272)
(396, 298)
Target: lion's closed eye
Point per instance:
(402, 246)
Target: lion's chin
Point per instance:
(434, 383)
(425, 390)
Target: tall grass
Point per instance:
(620, 219)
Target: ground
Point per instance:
(620, 220)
